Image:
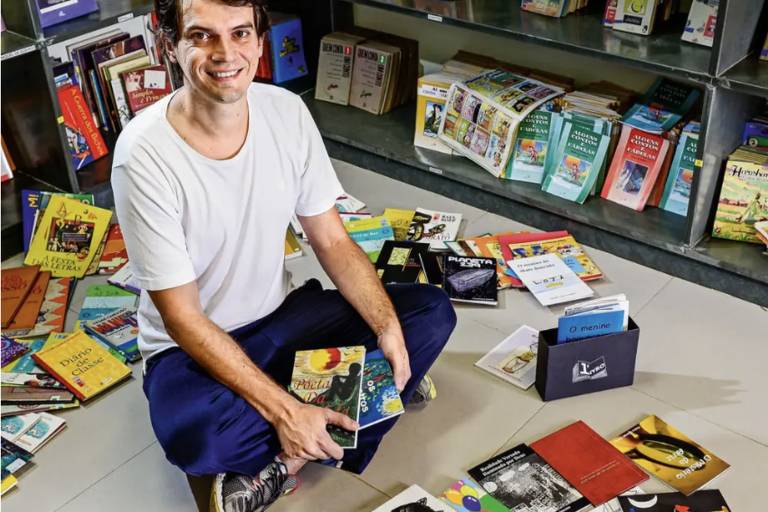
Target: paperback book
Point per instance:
(489, 247)
(331, 378)
(53, 310)
(433, 227)
(662, 106)
(30, 380)
(34, 202)
(13, 427)
(400, 262)
(529, 157)
(635, 16)
(379, 398)
(514, 359)
(104, 299)
(372, 76)
(84, 141)
(550, 280)
(701, 23)
(22, 395)
(14, 457)
(704, 501)
(414, 498)
(25, 363)
(554, 8)
(120, 330)
(467, 496)
(677, 190)
(400, 220)
(12, 350)
(334, 67)
(470, 279)
(370, 234)
(145, 86)
(287, 45)
(430, 108)
(26, 316)
(125, 279)
(16, 285)
(43, 430)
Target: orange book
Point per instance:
(490, 248)
(16, 284)
(26, 317)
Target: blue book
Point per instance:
(379, 399)
(287, 47)
(589, 325)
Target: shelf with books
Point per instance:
(750, 76)
(11, 209)
(109, 13)
(14, 44)
(742, 258)
(663, 52)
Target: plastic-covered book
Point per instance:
(470, 279)
(379, 399)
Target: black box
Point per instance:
(585, 366)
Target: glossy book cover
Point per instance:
(379, 399)
(287, 45)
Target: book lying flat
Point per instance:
(414, 499)
(706, 500)
(470, 279)
(21, 395)
(43, 430)
(550, 280)
(17, 283)
(434, 227)
(514, 359)
(12, 350)
(467, 496)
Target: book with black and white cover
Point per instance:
(400, 262)
(523, 482)
(414, 499)
(514, 359)
(434, 227)
(470, 279)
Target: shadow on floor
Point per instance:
(201, 491)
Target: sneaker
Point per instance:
(241, 493)
(425, 392)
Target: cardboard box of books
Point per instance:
(586, 365)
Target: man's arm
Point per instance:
(300, 427)
(352, 273)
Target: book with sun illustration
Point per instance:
(331, 378)
(379, 399)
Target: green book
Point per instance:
(677, 190)
(531, 147)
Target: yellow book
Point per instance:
(292, 247)
(81, 364)
(68, 237)
(430, 105)
(400, 220)
(8, 483)
(370, 234)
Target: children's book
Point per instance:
(554, 8)
(331, 378)
(42, 431)
(430, 107)
(469, 279)
(414, 499)
(636, 16)
(68, 237)
(379, 398)
(287, 45)
(334, 67)
(400, 220)
(701, 23)
(26, 316)
(370, 234)
(84, 141)
(53, 311)
(677, 190)
(529, 156)
(743, 196)
(16, 285)
(120, 330)
(662, 106)
(12, 350)
(704, 500)
(434, 227)
(400, 262)
(635, 167)
(125, 279)
(466, 496)
(669, 455)
(33, 202)
(514, 359)
(550, 280)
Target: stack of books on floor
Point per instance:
(575, 469)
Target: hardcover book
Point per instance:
(530, 153)
(670, 455)
(400, 262)
(535, 486)
(16, 285)
(701, 23)
(595, 468)
(81, 364)
(662, 106)
(287, 45)
(26, 316)
(12, 350)
(704, 501)
(105, 56)
(400, 220)
(120, 330)
(467, 496)
(550, 280)
(331, 378)
(414, 499)
(334, 67)
(469, 279)
(370, 234)
(434, 227)
(379, 398)
(84, 141)
(677, 190)
(145, 86)
(514, 359)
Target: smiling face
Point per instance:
(218, 49)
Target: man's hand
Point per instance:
(392, 345)
(302, 432)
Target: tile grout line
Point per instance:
(521, 427)
(650, 300)
(105, 476)
(369, 484)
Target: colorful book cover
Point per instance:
(662, 106)
(550, 280)
(370, 234)
(331, 378)
(554, 8)
(536, 486)
(68, 237)
(145, 86)
(432, 93)
(589, 463)
(9, 482)
(11, 350)
(334, 67)
(42, 431)
(33, 202)
(469, 279)
(530, 153)
(105, 56)
(16, 285)
(14, 457)
(53, 311)
(669, 455)
(764, 51)
(743, 197)
(514, 359)
(13, 427)
(467, 496)
(379, 399)
(292, 246)
(25, 364)
(84, 141)
(114, 254)
(701, 23)
(83, 365)
(704, 500)
(400, 220)
(413, 499)
(26, 316)
(400, 262)
(434, 227)
(579, 158)
(677, 190)
(120, 330)
(287, 45)
(636, 16)
(609, 15)
(635, 168)
(349, 204)
(589, 325)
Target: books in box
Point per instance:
(743, 197)
(334, 67)
(514, 359)
(470, 279)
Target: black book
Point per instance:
(399, 261)
(432, 266)
(470, 279)
(704, 500)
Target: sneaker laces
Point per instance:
(243, 493)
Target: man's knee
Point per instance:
(437, 317)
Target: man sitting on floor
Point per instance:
(205, 182)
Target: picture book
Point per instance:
(529, 156)
(379, 398)
(554, 8)
(514, 359)
(83, 365)
(331, 378)
(124, 279)
(400, 262)
(26, 316)
(434, 227)
(287, 45)
(84, 141)
(371, 76)
(662, 106)
(577, 162)
(466, 496)
(414, 499)
(145, 86)
(549, 279)
(635, 16)
(635, 168)
(535, 486)
(68, 236)
(701, 23)
(677, 190)
(669, 455)
(14, 457)
(589, 463)
(430, 107)
(13, 427)
(702, 501)
(370, 234)
(33, 202)
(400, 220)
(16, 285)
(743, 197)
(42, 431)
(334, 67)
(11, 350)
(53, 310)
(469, 279)
(120, 330)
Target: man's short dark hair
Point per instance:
(169, 16)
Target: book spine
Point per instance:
(99, 97)
(121, 103)
(45, 366)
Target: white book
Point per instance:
(635, 16)
(700, 26)
(121, 102)
(514, 359)
(13, 427)
(414, 498)
(46, 426)
(434, 227)
(349, 204)
(550, 280)
(125, 279)
(614, 505)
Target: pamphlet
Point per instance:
(550, 280)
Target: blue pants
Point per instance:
(205, 428)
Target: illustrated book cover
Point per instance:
(529, 157)
(434, 227)
(125, 279)
(16, 285)
(514, 359)
(33, 202)
(662, 106)
(372, 74)
(550, 280)
(677, 190)
(701, 23)
(41, 431)
(26, 316)
(84, 141)
(12, 350)
(466, 496)
(400, 262)
(53, 310)
(287, 45)
(379, 399)
(470, 279)
(400, 220)
(430, 107)
(120, 330)
(145, 86)
(370, 234)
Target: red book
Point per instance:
(16, 285)
(115, 254)
(145, 86)
(84, 140)
(590, 463)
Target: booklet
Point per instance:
(593, 318)
(514, 359)
(550, 280)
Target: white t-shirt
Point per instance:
(186, 217)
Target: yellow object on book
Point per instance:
(81, 364)
(8, 483)
(292, 246)
(400, 220)
(68, 237)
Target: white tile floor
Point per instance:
(701, 366)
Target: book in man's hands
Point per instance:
(379, 398)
